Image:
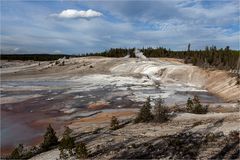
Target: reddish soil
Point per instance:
(34, 123)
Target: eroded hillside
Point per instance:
(84, 93)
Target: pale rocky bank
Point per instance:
(184, 136)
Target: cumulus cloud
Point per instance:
(75, 14)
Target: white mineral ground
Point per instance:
(132, 78)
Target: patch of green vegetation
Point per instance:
(145, 114)
(50, 138)
(114, 123)
(17, 152)
(67, 143)
(160, 115)
(34, 57)
(81, 151)
(194, 106)
(161, 112)
(226, 58)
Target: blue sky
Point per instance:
(73, 27)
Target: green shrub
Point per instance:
(24, 153)
(81, 150)
(210, 137)
(189, 104)
(17, 152)
(145, 114)
(50, 138)
(194, 106)
(114, 123)
(200, 109)
(67, 142)
(161, 112)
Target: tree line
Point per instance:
(34, 57)
(113, 52)
(226, 58)
(223, 58)
(210, 57)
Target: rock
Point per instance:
(219, 134)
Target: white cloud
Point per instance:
(217, 15)
(75, 14)
(172, 24)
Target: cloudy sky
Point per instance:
(74, 27)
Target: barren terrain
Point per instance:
(84, 93)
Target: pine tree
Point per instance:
(189, 45)
(189, 104)
(50, 138)
(67, 142)
(81, 150)
(194, 106)
(145, 114)
(17, 152)
(196, 100)
(160, 112)
(114, 123)
(227, 48)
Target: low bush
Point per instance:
(50, 138)
(161, 112)
(114, 123)
(24, 153)
(81, 150)
(160, 115)
(145, 114)
(210, 137)
(194, 106)
(17, 152)
(67, 143)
